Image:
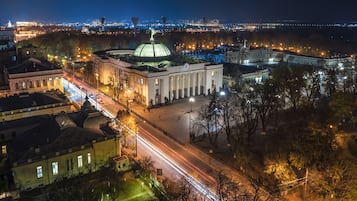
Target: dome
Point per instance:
(151, 50)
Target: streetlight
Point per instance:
(222, 93)
(96, 98)
(191, 100)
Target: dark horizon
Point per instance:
(227, 11)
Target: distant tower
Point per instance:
(9, 25)
(164, 19)
(135, 21)
(204, 20)
(102, 23)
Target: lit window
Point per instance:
(80, 161)
(39, 172)
(3, 150)
(141, 81)
(89, 158)
(55, 168)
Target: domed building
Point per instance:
(152, 74)
(152, 50)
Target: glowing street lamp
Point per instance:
(96, 98)
(191, 100)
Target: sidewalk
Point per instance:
(172, 119)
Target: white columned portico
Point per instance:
(194, 91)
(199, 83)
(189, 84)
(177, 86)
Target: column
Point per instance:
(198, 83)
(189, 84)
(177, 86)
(194, 84)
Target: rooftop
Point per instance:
(25, 100)
(171, 61)
(43, 136)
(152, 50)
(32, 65)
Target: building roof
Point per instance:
(43, 136)
(26, 100)
(152, 50)
(32, 65)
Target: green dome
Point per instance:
(152, 50)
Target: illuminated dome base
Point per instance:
(152, 50)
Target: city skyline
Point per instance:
(227, 11)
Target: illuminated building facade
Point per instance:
(32, 76)
(151, 75)
(47, 149)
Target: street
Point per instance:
(173, 158)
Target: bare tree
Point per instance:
(291, 82)
(185, 190)
(266, 101)
(147, 164)
(209, 116)
(249, 117)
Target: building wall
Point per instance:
(101, 152)
(25, 175)
(153, 88)
(34, 82)
(35, 111)
(246, 55)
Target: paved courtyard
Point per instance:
(174, 118)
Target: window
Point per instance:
(38, 83)
(156, 82)
(17, 85)
(55, 168)
(80, 161)
(89, 158)
(3, 150)
(44, 83)
(141, 81)
(69, 164)
(212, 73)
(23, 85)
(39, 172)
(51, 81)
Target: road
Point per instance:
(177, 159)
(173, 158)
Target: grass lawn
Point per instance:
(94, 187)
(133, 190)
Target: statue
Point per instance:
(153, 32)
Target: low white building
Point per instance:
(32, 76)
(151, 75)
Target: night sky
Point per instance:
(224, 10)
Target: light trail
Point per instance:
(194, 182)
